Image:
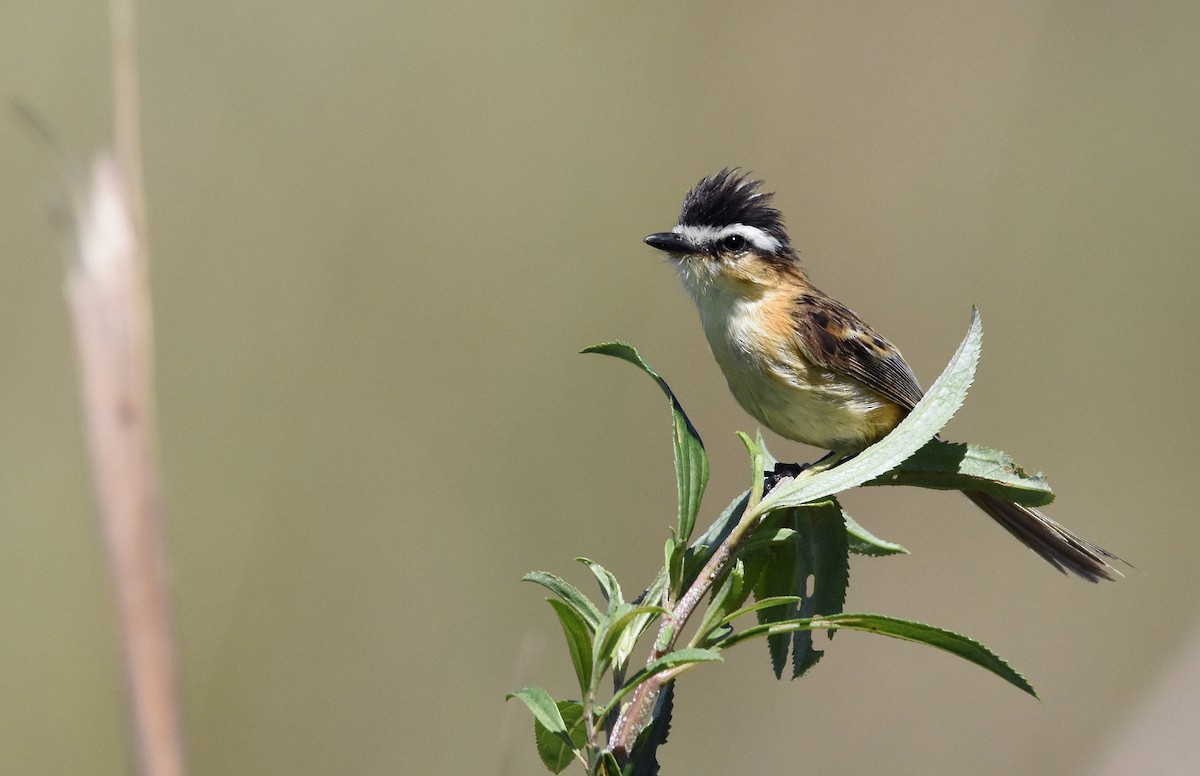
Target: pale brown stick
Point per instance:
(635, 714)
(107, 287)
(108, 297)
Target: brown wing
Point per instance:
(838, 340)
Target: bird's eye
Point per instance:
(733, 242)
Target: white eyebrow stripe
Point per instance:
(753, 234)
(698, 235)
(704, 235)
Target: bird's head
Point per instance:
(728, 234)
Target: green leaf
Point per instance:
(812, 569)
(764, 603)
(702, 548)
(609, 635)
(732, 514)
(568, 593)
(954, 643)
(922, 424)
(554, 751)
(761, 539)
(863, 542)
(691, 462)
(768, 459)
(544, 709)
(654, 593)
(777, 578)
(822, 556)
(607, 765)
(943, 465)
(758, 457)
(579, 643)
(609, 586)
(638, 625)
(680, 657)
(628, 642)
(674, 555)
(728, 596)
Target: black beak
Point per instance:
(670, 242)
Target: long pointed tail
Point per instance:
(1064, 550)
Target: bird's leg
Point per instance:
(792, 471)
(782, 471)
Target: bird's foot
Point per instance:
(782, 471)
(791, 471)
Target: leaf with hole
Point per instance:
(814, 567)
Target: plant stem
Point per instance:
(636, 714)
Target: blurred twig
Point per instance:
(108, 291)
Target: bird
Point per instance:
(802, 363)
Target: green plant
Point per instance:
(785, 542)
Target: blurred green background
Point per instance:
(380, 233)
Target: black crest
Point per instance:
(732, 197)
